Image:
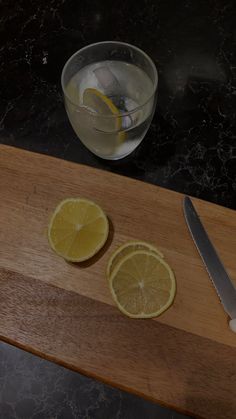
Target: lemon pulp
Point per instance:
(127, 248)
(142, 284)
(78, 229)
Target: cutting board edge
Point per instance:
(24, 151)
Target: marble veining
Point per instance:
(32, 388)
(190, 146)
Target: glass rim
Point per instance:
(93, 113)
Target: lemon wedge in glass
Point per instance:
(109, 117)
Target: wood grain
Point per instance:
(64, 312)
(169, 365)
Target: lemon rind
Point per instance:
(129, 243)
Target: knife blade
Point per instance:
(215, 268)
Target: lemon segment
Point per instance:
(127, 248)
(100, 103)
(78, 229)
(142, 284)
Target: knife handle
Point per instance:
(232, 325)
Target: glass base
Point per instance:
(112, 157)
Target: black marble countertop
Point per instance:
(190, 146)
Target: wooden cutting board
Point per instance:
(186, 358)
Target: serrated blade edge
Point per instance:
(215, 268)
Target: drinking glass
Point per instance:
(110, 91)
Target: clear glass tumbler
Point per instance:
(110, 93)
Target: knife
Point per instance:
(215, 268)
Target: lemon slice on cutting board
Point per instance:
(126, 249)
(78, 229)
(142, 285)
(101, 104)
